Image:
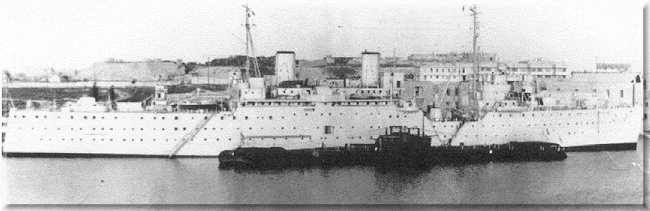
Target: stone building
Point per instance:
(150, 70)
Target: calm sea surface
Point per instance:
(583, 178)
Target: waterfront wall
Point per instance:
(85, 84)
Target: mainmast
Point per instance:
(250, 50)
(475, 69)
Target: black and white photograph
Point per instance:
(192, 102)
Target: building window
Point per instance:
(328, 129)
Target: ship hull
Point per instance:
(122, 134)
(602, 147)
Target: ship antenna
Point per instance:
(249, 45)
(475, 72)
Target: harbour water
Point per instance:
(583, 178)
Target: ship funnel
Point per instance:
(285, 64)
(369, 69)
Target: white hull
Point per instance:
(296, 127)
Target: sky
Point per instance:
(74, 34)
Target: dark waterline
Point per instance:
(583, 178)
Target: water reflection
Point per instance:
(582, 178)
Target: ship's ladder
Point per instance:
(435, 133)
(189, 136)
(456, 132)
